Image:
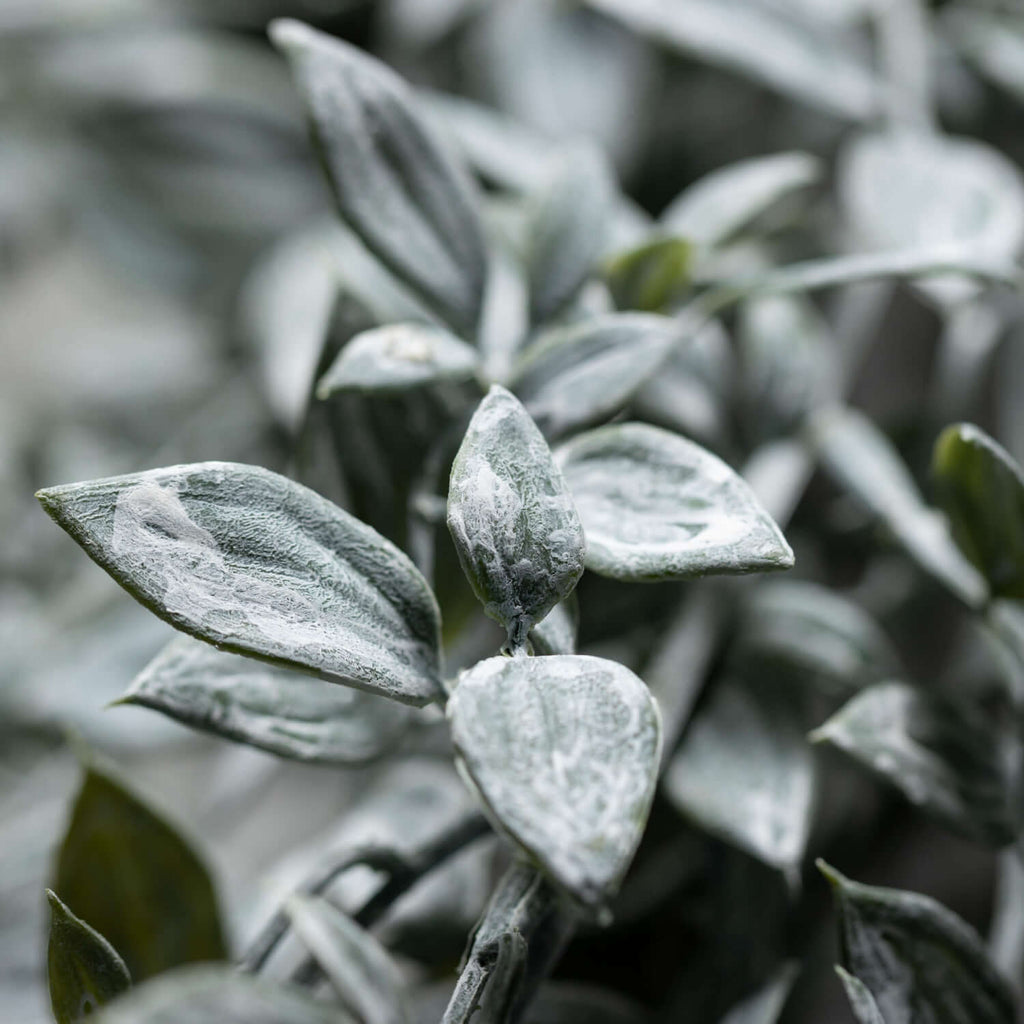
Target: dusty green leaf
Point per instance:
(862, 1002)
(512, 518)
(655, 506)
(556, 632)
(256, 564)
(359, 968)
(981, 488)
(863, 461)
(573, 377)
(219, 995)
(268, 707)
(564, 752)
(85, 971)
(918, 960)
(136, 881)
(945, 757)
(652, 275)
(744, 772)
(394, 183)
(395, 357)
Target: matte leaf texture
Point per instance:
(863, 461)
(920, 962)
(256, 564)
(655, 506)
(981, 488)
(573, 377)
(564, 752)
(651, 276)
(136, 881)
(396, 357)
(556, 632)
(945, 757)
(361, 971)
(85, 971)
(218, 995)
(862, 1002)
(744, 772)
(395, 185)
(566, 231)
(267, 707)
(512, 518)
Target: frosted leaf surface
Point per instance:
(266, 706)
(564, 752)
(655, 506)
(396, 357)
(556, 632)
(512, 518)
(573, 377)
(256, 564)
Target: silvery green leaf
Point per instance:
(765, 1005)
(564, 752)
(655, 506)
(992, 41)
(862, 460)
(398, 356)
(573, 377)
(512, 518)
(919, 960)
(946, 758)
(808, 629)
(257, 564)
(219, 995)
(128, 873)
(566, 231)
(360, 969)
(652, 275)
(981, 488)
(770, 47)
(396, 187)
(271, 708)
(744, 772)
(725, 201)
(84, 970)
(862, 1002)
(556, 632)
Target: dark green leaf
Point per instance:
(395, 185)
(136, 881)
(85, 971)
(514, 524)
(655, 506)
(651, 276)
(257, 564)
(359, 968)
(945, 757)
(272, 708)
(575, 376)
(919, 960)
(564, 752)
(862, 1002)
(981, 487)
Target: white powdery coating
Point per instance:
(564, 751)
(514, 524)
(656, 506)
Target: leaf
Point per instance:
(564, 752)
(744, 772)
(572, 377)
(981, 488)
(136, 881)
(919, 960)
(862, 1002)
(218, 995)
(396, 357)
(766, 1004)
(655, 506)
(85, 971)
(945, 757)
(862, 460)
(412, 206)
(512, 518)
(556, 632)
(566, 231)
(257, 564)
(267, 707)
(713, 209)
(652, 275)
(359, 968)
